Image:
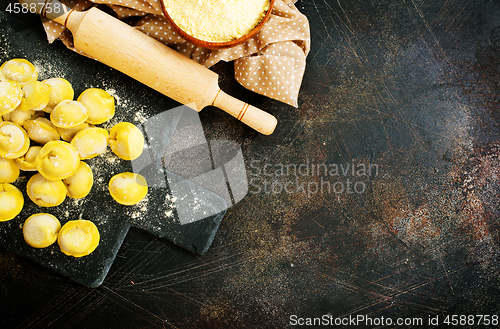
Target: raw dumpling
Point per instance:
(78, 238)
(9, 171)
(67, 134)
(36, 96)
(11, 202)
(41, 230)
(128, 188)
(11, 96)
(14, 141)
(41, 130)
(90, 142)
(19, 70)
(100, 103)
(45, 192)
(19, 116)
(69, 114)
(126, 141)
(80, 183)
(26, 162)
(57, 160)
(61, 90)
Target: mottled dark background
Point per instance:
(409, 85)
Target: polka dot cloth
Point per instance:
(272, 63)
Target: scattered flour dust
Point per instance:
(139, 117)
(140, 208)
(113, 93)
(47, 70)
(110, 157)
(170, 201)
(5, 48)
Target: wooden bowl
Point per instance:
(217, 45)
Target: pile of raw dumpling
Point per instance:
(43, 129)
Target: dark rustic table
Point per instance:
(391, 218)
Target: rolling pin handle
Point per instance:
(252, 116)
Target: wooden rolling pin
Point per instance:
(141, 57)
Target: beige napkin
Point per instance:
(272, 63)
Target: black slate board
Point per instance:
(157, 214)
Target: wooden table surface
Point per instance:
(392, 214)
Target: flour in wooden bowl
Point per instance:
(217, 20)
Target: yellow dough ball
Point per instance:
(100, 103)
(90, 142)
(36, 96)
(80, 183)
(41, 230)
(69, 114)
(67, 134)
(11, 202)
(14, 141)
(45, 192)
(41, 130)
(57, 160)
(19, 116)
(126, 141)
(11, 96)
(128, 188)
(19, 70)
(26, 162)
(78, 238)
(61, 90)
(9, 171)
